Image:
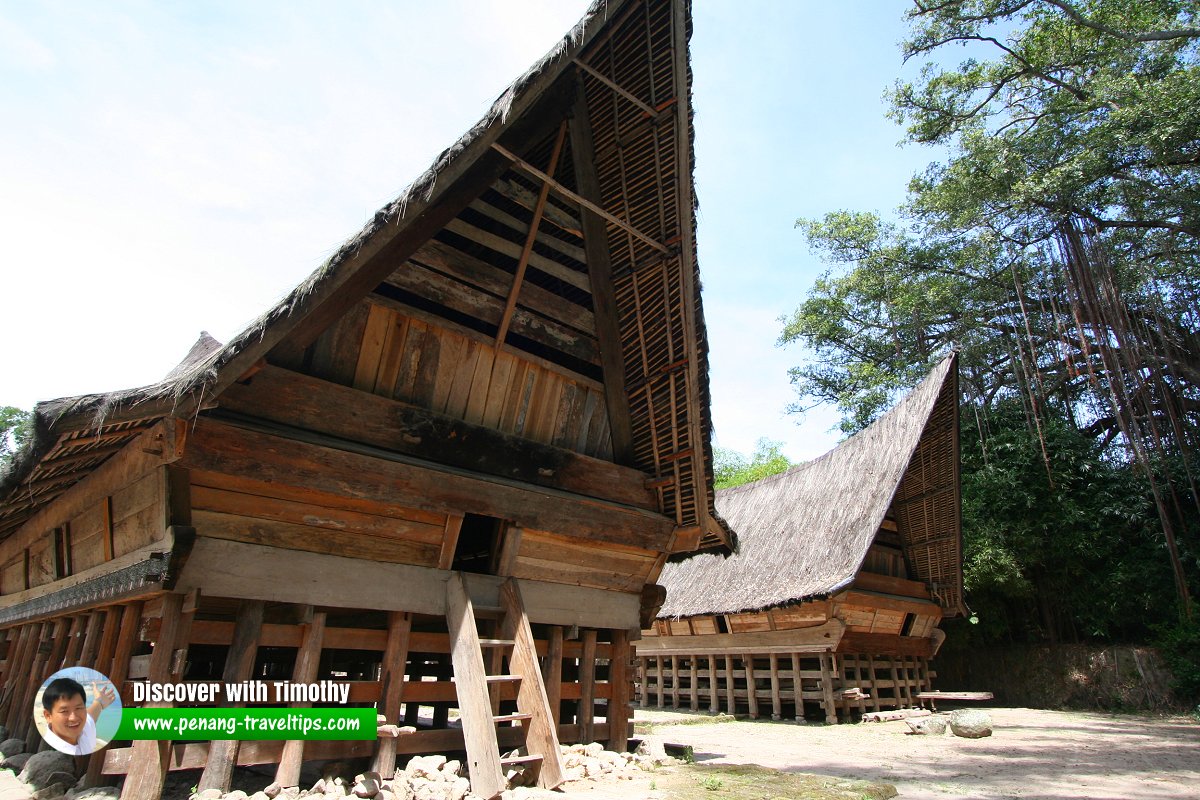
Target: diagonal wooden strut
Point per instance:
(530, 237)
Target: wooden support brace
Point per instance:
(395, 658)
(617, 713)
(116, 648)
(586, 713)
(239, 667)
(308, 660)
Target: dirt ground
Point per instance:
(1051, 755)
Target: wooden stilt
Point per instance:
(907, 675)
(308, 661)
(617, 714)
(730, 688)
(22, 720)
(751, 689)
(694, 682)
(149, 764)
(661, 680)
(714, 695)
(552, 673)
(776, 702)
(239, 667)
(94, 634)
(925, 684)
(797, 687)
(17, 670)
(116, 648)
(59, 643)
(395, 659)
(858, 682)
(675, 682)
(896, 695)
(587, 687)
(75, 640)
(872, 678)
(642, 697)
(827, 664)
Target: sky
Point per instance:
(171, 167)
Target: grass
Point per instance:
(644, 727)
(752, 782)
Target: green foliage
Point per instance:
(1179, 644)
(15, 428)
(711, 783)
(731, 468)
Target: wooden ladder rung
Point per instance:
(512, 717)
(503, 678)
(487, 612)
(515, 760)
(496, 643)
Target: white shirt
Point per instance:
(85, 745)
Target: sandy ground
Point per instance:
(1051, 755)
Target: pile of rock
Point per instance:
(48, 775)
(967, 723)
(439, 778)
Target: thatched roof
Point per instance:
(804, 533)
(66, 430)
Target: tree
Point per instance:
(1057, 247)
(731, 468)
(15, 427)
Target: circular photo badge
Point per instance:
(77, 711)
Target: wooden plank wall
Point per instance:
(128, 518)
(278, 515)
(381, 350)
(546, 556)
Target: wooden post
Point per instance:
(714, 695)
(827, 664)
(675, 682)
(658, 662)
(872, 678)
(797, 688)
(617, 714)
(308, 661)
(751, 687)
(94, 635)
(908, 692)
(587, 687)
(75, 640)
(23, 721)
(642, 695)
(926, 684)
(694, 681)
(391, 692)
(776, 703)
(16, 672)
(116, 648)
(730, 686)
(149, 763)
(895, 682)
(552, 673)
(239, 667)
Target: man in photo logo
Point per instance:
(72, 723)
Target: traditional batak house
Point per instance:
(845, 567)
(443, 468)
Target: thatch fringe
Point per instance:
(803, 534)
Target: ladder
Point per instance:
(474, 686)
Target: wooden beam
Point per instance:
(517, 193)
(552, 671)
(116, 648)
(604, 304)
(526, 167)
(301, 401)
(527, 249)
(454, 524)
(646, 108)
(814, 639)
(370, 473)
(239, 667)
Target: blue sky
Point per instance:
(169, 168)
